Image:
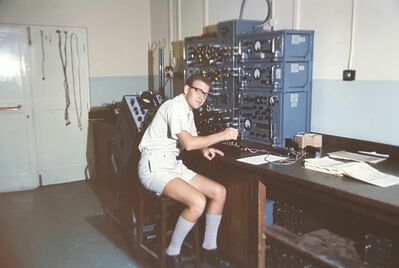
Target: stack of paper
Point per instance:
(325, 165)
(344, 155)
(358, 170)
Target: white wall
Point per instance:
(375, 53)
(118, 30)
(219, 10)
(365, 108)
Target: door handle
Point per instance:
(11, 108)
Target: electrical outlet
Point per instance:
(348, 75)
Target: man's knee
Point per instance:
(220, 192)
(197, 204)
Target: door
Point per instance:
(18, 170)
(61, 131)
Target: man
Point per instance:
(172, 130)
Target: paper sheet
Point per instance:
(261, 159)
(344, 155)
(365, 172)
(358, 170)
(325, 165)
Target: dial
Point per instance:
(256, 73)
(247, 124)
(257, 45)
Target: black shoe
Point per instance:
(173, 261)
(212, 257)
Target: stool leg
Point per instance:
(163, 236)
(140, 226)
(197, 245)
(134, 230)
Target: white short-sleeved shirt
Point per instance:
(160, 146)
(173, 117)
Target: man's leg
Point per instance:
(212, 223)
(180, 232)
(217, 195)
(194, 200)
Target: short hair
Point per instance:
(198, 77)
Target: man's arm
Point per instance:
(190, 142)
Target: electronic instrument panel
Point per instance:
(261, 81)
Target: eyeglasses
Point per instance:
(200, 92)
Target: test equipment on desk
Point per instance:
(261, 80)
(136, 113)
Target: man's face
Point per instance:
(196, 94)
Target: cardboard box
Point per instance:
(308, 139)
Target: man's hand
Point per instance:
(230, 134)
(210, 153)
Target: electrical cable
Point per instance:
(43, 54)
(268, 15)
(293, 157)
(64, 68)
(351, 35)
(74, 36)
(242, 9)
(294, 15)
(165, 82)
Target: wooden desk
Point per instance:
(241, 236)
(353, 204)
(242, 239)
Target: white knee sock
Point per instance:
(182, 228)
(212, 223)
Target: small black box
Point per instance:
(349, 75)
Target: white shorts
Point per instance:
(156, 170)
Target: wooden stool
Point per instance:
(163, 207)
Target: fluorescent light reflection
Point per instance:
(9, 67)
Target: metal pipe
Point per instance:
(161, 72)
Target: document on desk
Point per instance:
(358, 170)
(261, 159)
(361, 157)
(325, 165)
(364, 172)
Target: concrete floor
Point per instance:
(59, 226)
